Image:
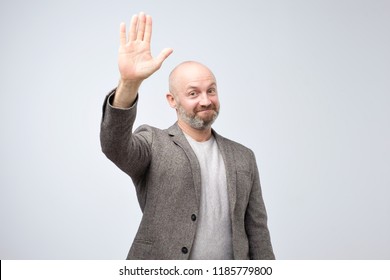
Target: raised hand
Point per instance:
(135, 60)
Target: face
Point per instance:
(195, 96)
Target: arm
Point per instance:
(260, 247)
(130, 151)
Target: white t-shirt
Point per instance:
(213, 238)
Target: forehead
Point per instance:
(194, 76)
(205, 81)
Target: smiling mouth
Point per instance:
(206, 110)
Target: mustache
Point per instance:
(210, 107)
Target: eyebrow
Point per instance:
(213, 84)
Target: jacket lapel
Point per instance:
(179, 139)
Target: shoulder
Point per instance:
(233, 145)
(145, 128)
(148, 131)
(151, 133)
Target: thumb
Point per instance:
(163, 55)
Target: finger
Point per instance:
(163, 55)
(148, 29)
(122, 34)
(133, 28)
(141, 26)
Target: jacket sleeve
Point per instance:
(260, 247)
(129, 151)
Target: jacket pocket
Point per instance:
(244, 187)
(140, 250)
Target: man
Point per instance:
(199, 192)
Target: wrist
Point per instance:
(126, 93)
(130, 84)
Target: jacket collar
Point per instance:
(178, 135)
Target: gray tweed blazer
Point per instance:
(166, 176)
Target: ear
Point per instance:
(171, 100)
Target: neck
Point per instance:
(199, 135)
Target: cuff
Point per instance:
(110, 101)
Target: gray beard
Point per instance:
(195, 121)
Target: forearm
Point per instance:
(116, 126)
(126, 94)
(116, 130)
(129, 150)
(260, 246)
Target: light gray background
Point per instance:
(305, 84)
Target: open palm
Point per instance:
(135, 59)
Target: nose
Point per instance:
(204, 100)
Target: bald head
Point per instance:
(186, 72)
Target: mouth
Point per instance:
(206, 110)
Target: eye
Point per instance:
(192, 94)
(212, 91)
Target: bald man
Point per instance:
(199, 192)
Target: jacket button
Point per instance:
(193, 217)
(184, 250)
